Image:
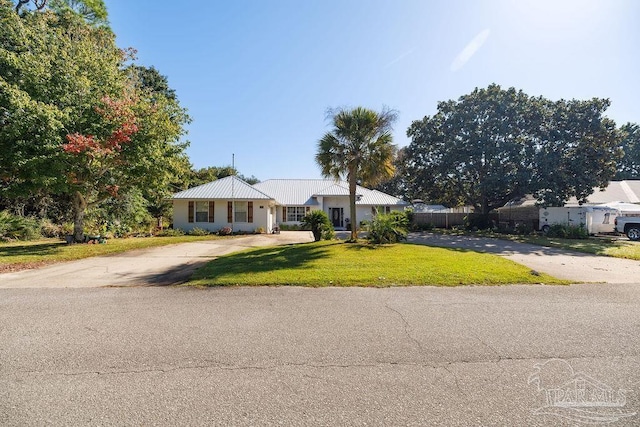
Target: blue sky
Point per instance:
(258, 76)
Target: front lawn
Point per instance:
(22, 255)
(358, 264)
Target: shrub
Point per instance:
(18, 227)
(523, 229)
(478, 222)
(422, 227)
(170, 232)
(389, 228)
(568, 231)
(259, 230)
(318, 222)
(51, 230)
(225, 231)
(196, 231)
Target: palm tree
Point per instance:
(359, 147)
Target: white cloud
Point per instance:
(470, 49)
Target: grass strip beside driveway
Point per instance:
(360, 264)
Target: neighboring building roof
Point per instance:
(627, 191)
(304, 192)
(230, 187)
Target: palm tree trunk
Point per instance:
(352, 205)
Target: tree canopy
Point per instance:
(93, 11)
(74, 121)
(629, 166)
(493, 145)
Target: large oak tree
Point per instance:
(493, 145)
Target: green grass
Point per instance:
(20, 255)
(353, 264)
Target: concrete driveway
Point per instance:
(575, 266)
(166, 265)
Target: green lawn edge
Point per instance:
(337, 263)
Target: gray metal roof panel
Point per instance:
(230, 187)
(300, 192)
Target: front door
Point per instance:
(336, 215)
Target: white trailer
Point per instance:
(595, 219)
(570, 216)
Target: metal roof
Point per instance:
(304, 192)
(230, 187)
(627, 191)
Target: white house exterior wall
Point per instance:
(363, 212)
(261, 217)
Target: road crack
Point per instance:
(406, 328)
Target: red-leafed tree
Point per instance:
(97, 162)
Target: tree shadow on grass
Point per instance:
(31, 250)
(263, 260)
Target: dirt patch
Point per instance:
(11, 268)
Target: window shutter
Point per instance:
(284, 214)
(212, 206)
(307, 209)
(249, 211)
(229, 212)
(191, 209)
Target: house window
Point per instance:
(240, 212)
(202, 211)
(296, 213)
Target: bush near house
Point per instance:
(196, 231)
(568, 231)
(388, 228)
(318, 222)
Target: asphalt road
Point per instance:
(296, 356)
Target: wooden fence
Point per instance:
(446, 219)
